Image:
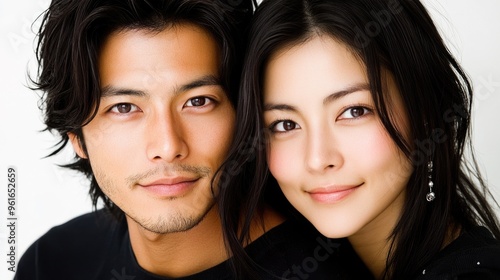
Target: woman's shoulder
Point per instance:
(475, 254)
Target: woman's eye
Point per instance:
(284, 126)
(197, 101)
(124, 108)
(354, 112)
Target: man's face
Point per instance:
(163, 127)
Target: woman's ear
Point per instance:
(77, 145)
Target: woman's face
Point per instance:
(328, 150)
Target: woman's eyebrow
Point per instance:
(341, 93)
(330, 98)
(279, 107)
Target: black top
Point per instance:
(96, 246)
(475, 254)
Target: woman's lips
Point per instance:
(332, 194)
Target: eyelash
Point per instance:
(134, 108)
(115, 107)
(367, 110)
(210, 101)
(272, 126)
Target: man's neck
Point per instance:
(179, 254)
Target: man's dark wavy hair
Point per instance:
(67, 50)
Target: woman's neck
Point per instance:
(373, 249)
(373, 241)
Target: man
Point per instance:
(144, 92)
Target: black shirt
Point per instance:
(475, 254)
(97, 246)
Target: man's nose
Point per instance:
(165, 138)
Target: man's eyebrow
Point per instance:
(207, 80)
(330, 98)
(108, 91)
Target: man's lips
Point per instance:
(170, 187)
(332, 194)
(170, 181)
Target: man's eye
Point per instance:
(124, 108)
(354, 112)
(197, 101)
(284, 126)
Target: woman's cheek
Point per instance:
(282, 160)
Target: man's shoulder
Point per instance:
(93, 226)
(94, 222)
(73, 245)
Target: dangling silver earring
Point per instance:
(430, 196)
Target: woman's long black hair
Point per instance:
(394, 35)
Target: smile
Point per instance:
(332, 194)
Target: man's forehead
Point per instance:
(181, 57)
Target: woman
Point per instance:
(366, 116)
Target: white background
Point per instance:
(48, 195)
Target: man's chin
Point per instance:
(173, 223)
